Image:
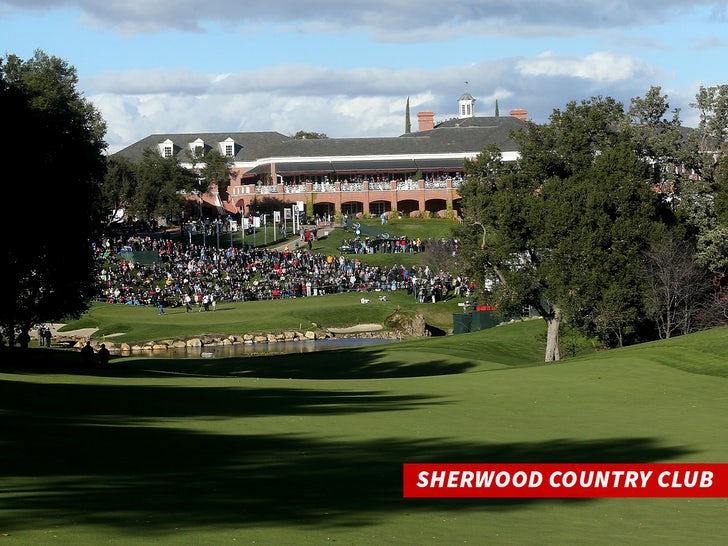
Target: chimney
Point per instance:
(519, 113)
(426, 121)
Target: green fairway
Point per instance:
(130, 323)
(308, 448)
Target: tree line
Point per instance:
(613, 222)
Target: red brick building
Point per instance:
(415, 174)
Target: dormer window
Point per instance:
(197, 147)
(227, 147)
(166, 149)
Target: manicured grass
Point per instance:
(333, 310)
(308, 448)
(331, 239)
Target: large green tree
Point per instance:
(118, 187)
(562, 230)
(217, 171)
(159, 182)
(210, 168)
(48, 264)
(712, 130)
(659, 140)
(704, 203)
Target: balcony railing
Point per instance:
(323, 187)
(408, 185)
(330, 187)
(300, 188)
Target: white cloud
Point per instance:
(351, 102)
(386, 20)
(600, 67)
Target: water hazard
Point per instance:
(256, 349)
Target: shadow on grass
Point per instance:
(338, 364)
(352, 363)
(95, 454)
(132, 404)
(147, 480)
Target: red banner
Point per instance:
(593, 480)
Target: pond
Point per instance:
(255, 349)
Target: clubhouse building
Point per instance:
(416, 174)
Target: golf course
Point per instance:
(309, 448)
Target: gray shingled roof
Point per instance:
(468, 135)
(248, 146)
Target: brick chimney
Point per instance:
(519, 113)
(426, 121)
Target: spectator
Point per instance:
(87, 353)
(104, 355)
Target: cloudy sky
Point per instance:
(346, 67)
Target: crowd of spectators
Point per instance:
(178, 270)
(397, 245)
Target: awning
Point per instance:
(434, 165)
(255, 171)
(356, 166)
(240, 203)
(303, 167)
(374, 165)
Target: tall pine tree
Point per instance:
(407, 123)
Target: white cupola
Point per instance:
(466, 104)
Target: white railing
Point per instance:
(408, 185)
(330, 187)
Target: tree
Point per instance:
(678, 291)
(562, 230)
(712, 131)
(49, 269)
(659, 140)
(497, 110)
(407, 120)
(217, 171)
(118, 187)
(702, 200)
(721, 191)
(307, 135)
(210, 168)
(160, 180)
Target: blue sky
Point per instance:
(346, 68)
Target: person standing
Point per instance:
(104, 355)
(87, 353)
